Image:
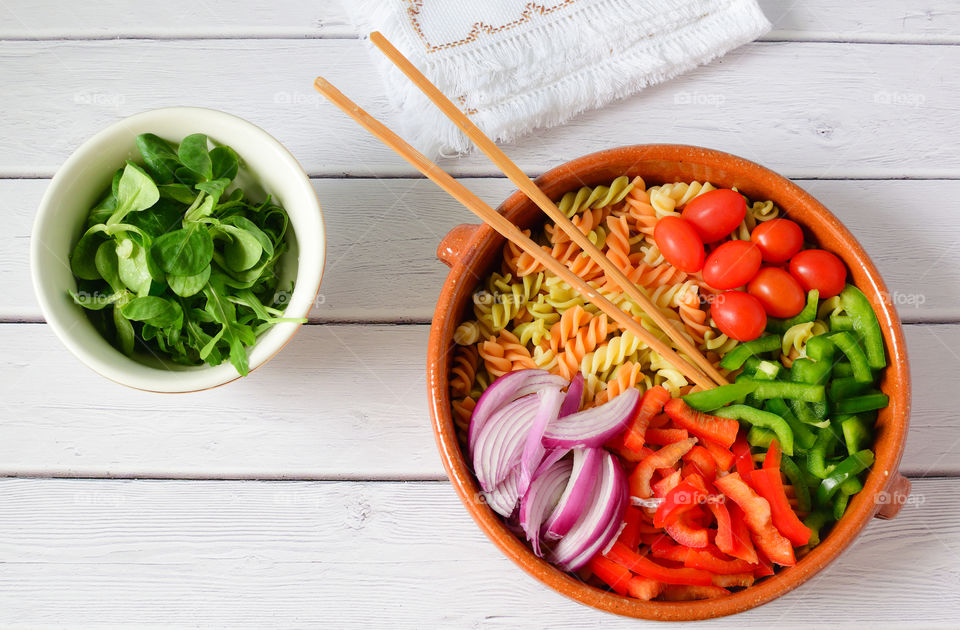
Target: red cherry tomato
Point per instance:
(731, 265)
(778, 240)
(716, 213)
(739, 315)
(778, 291)
(820, 270)
(679, 244)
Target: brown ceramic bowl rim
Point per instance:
(862, 508)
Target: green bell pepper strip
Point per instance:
(859, 404)
(847, 489)
(802, 435)
(848, 345)
(813, 415)
(842, 369)
(856, 433)
(816, 522)
(808, 314)
(788, 389)
(840, 322)
(710, 399)
(849, 467)
(762, 419)
(766, 371)
(760, 438)
(827, 441)
(735, 359)
(798, 481)
(865, 322)
(820, 348)
(846, 387)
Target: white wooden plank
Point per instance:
(339, 402)
(804, 109)
(924, 21)
(383, 235)
(348, 555)
(181, 19)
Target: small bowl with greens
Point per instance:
(178, 250)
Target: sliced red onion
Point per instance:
(533, 451)
(542, 496)
(552, 456)
(593, 427)
(574, 397)
(504, 390)
(605, 541)
(503, 499)
(583, 478)
(500, 441)
(600, 520)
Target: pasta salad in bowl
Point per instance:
(593, 462)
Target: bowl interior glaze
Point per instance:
(473, 253)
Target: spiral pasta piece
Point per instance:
(464, 371)
(462, 411)
(669, 198)
(598, 197)
(504, 354)
(628, 375)
(794, 343)
(467, 333)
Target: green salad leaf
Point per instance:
(176, 261)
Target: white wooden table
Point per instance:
(310, 494)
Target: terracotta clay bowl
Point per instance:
(472, 251)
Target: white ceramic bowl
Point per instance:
(78, 185)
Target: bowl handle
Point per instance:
(454, 243)
(894, 497)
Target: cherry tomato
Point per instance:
(716, 213)
(778, 240)
(731, 265)
(778, 291)
(739, 315)
(820, 270)
(679, 244)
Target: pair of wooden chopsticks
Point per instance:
(701, 372)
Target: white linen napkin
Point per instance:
(517, 65)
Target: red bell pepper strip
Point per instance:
(768, 485)
(742, 544)
(616, 445)
(632, 520)
(663, 437)
(665, 549)
(687, 531)
(765, 567)
(614, 575)
(743, 456)
(723, 431)
(674, 593)
(643, 588)
(722, 456)
(734, 579)
(651, 404)
(708, 560)
(724, 538)
(701, 458)
(773, 457)
(687, 494)
(641, 565)
(659, 421)
(666, 457)
(758, 518)
(668, 483)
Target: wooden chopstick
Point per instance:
(531, 190)
(503, 225)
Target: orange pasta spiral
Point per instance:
(504, 354)
(462, 410)
(464, 370)
(629, 374)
